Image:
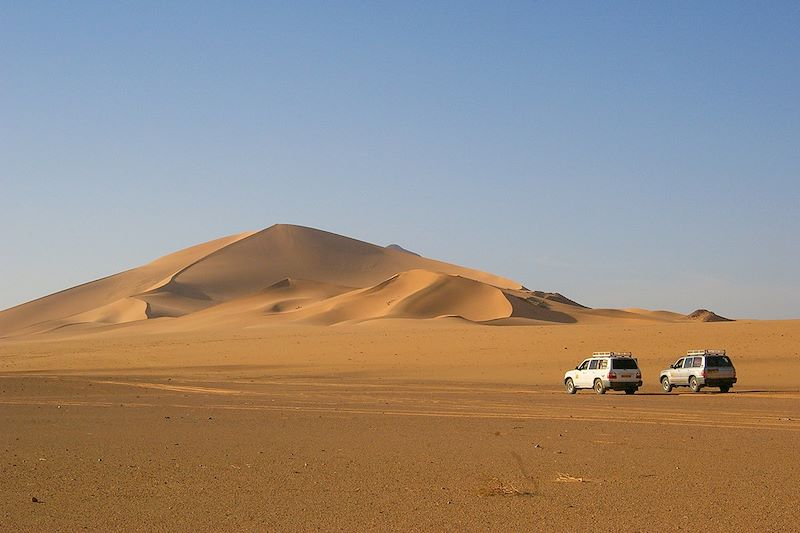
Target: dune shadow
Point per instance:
(536, 310)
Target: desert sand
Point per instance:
(293, 379)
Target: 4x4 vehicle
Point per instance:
(700, 368)
(603, 371)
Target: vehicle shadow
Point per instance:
(712, 392)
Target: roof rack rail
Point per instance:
(612, 354)
(705, 352)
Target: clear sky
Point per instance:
(625, 154)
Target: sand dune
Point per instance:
(285, 251)
(414, 294)
(295, 274)
(59, 307)
(222, 270)
(664, 315)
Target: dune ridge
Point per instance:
(295, 274)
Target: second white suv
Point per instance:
(603, 371)
(700, 368)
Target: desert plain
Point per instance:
(289, 380)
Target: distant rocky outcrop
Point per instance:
(704, 315)
(558, 297)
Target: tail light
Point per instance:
(612, 375)
(705, 375)
(638, 374)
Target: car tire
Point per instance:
(630, 391)
(569, 385)
(665, 384)
(724, 388)
(693, 384)
(599, 388)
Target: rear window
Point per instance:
(718, 361)
(623, 364)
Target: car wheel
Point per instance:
(665, 384)
(693, 384)
(630, 391)
(598, 387)
(724, 388)
(570, 386)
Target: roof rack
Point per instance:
(612, 354)
(705, 352)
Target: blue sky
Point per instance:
(623, 153)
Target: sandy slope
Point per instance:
(413, 294)
(391, 424)
(62, 307)
(766, 353)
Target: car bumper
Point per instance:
(716, 382)
(622, 385)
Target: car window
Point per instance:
(679, 364)
(698, 362)
(603, 364)
(583, 365)
(718, 361)
(593, 364)
(687, 363)
(624, 364)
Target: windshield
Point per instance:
(624, 364)
(719, 361)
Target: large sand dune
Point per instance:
(295, 274)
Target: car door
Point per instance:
(696, 370)
(685, 371)
(591, 373)
(674, 372)
(580, 374)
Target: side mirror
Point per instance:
(578, 367)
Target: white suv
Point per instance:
(603, 371)
(700, 368)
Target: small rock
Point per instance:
(35, 499)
